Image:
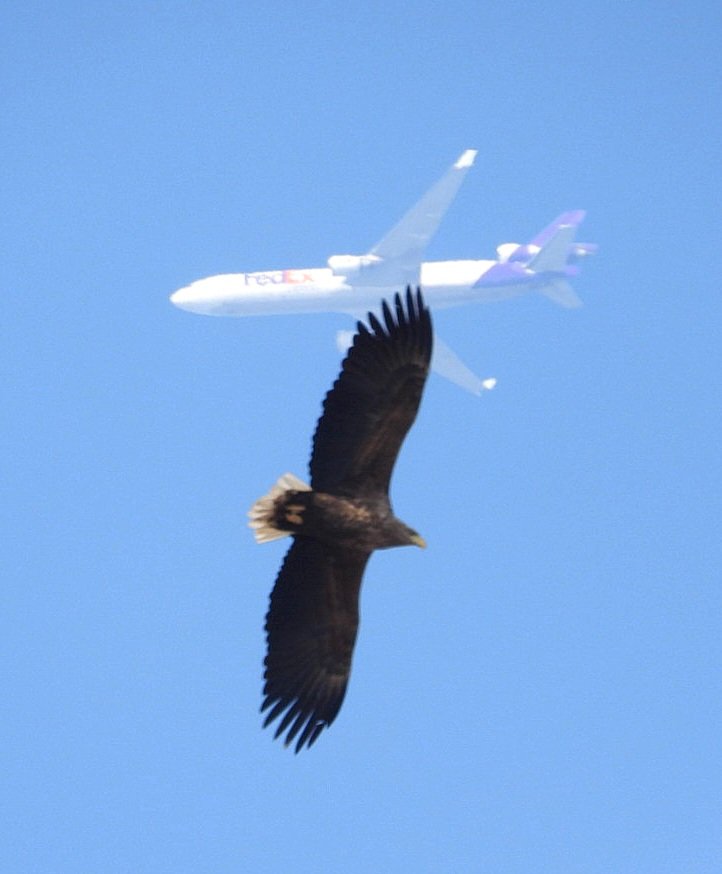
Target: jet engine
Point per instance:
(351, 265)
(511, 252)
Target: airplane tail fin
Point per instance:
(553, 248)
(573, 217)
(551, 262)
(546, 262)
(548, 240)
(553, 254)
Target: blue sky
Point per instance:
(540, 689)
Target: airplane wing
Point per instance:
(448, 364)
(402, 249)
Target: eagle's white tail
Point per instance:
(262, 513)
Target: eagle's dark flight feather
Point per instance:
(374, 402)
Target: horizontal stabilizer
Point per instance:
(562, 293)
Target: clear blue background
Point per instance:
(540, 690)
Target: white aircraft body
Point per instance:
(354, 284)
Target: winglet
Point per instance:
(466, 160)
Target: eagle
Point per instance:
(340, 519)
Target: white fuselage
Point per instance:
(319, 289)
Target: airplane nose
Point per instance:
(182, 297)
(198, 297)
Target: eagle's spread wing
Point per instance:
(311, 629)
(374, 401)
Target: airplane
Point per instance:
(353, 284)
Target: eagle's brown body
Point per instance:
(348, 523)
